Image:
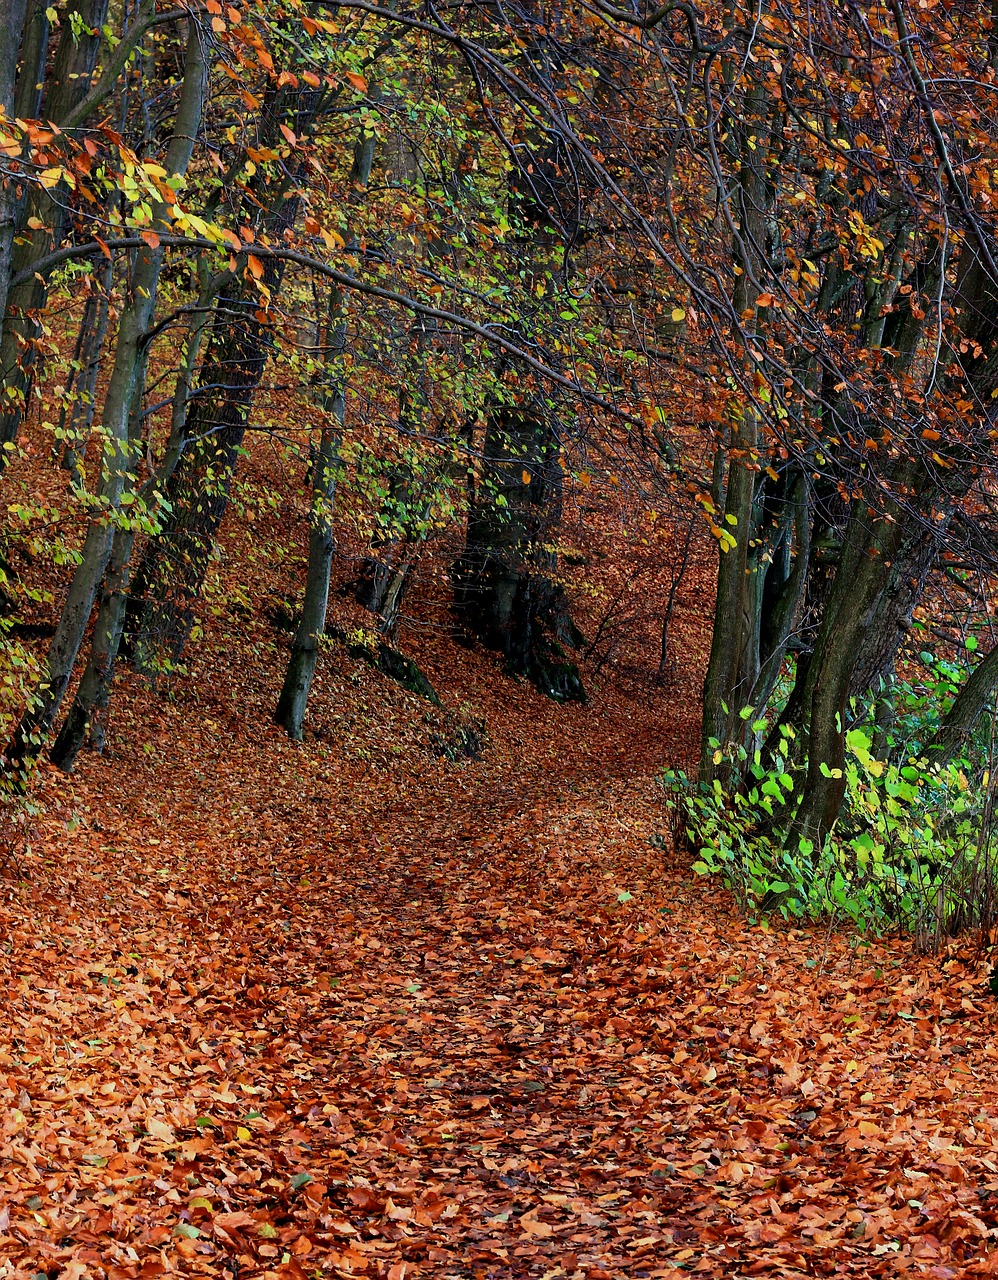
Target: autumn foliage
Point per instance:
(497, 670)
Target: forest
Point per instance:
(498, 667)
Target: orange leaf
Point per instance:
(255, 266)
(358, 82)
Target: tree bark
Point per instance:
(871, 546)
(12, 16)
(970, 704)
(293, 701)
(504, 591)
(70, 80)
(119, 460)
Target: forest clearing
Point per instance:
(498, 727)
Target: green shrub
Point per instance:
(911, 851)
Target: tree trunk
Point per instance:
(734, 665)
(871, 546)
(72, 73)
(12, 14)
(95, 684)
(292, 704)
(119, 460)
(168, 580)
(503, 589)
(76, 419)
(970, 704)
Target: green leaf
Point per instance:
(186, 1230)
(624, 896)
(301, 1180)
(857, 740)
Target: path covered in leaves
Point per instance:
(278, 1017)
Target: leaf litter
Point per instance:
(295, 1011)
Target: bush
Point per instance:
(912, 849)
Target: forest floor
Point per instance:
(346, 1008)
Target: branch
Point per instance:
(938, 139)
(348, 281)
(122, 52)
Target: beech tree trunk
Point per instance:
(871, 545)
(504, 590)
(971, 702)
(70, 80)
(119, 461)
(12, 14)
(293, 702)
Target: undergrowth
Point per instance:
(913, 849)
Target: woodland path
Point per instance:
(473, 1024)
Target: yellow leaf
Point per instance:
(160, 1129)
(678, 314)
(50, 178)
(243, 1134)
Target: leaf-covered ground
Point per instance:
(276, 1011)
(349, 1009)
